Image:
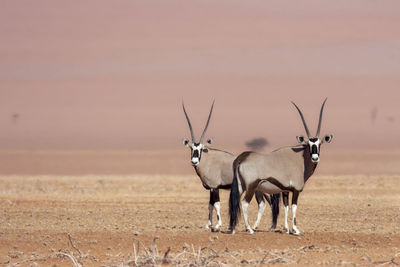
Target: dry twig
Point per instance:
(71, 257)
(72, 244)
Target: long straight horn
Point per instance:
(190, 125)
(208, 121)
(302, 118)
(320, 117)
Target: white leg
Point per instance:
(261, 209)
(217, 206)
(245, 204)
(295, 230)
(210, 214)
(286, 219)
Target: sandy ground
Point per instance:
(122, 219)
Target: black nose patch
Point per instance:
(314, 149)
(195, 154)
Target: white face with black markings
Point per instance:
(315, 144)
(196, 151)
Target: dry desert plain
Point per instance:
(124, 208)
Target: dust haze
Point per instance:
(97, 76)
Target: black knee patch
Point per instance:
(214, 196)
(285, 198)
(260, 197)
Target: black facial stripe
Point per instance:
(314, 149)
(314, 139)
(195, 153)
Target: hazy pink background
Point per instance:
(112, 74)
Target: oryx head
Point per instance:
(196, 148)
(314, 142)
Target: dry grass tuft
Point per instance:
(150, 256)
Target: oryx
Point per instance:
(214, 167)
(284, 170)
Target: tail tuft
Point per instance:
(234, 200)
(275, 209)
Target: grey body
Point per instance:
(215, 169)
(281, 171)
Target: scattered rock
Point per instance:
(15, 254)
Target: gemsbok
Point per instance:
(214, 168)
(283, 170)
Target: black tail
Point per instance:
(275, 209)
(234, 199)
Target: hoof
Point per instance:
(214, 230)
(296, 231)
(273, 230)
(210, 228)
(250, 231)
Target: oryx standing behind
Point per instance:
(284, 170)
(214, 167)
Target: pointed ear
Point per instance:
(209, 141)
(300, 139)
(327, 138)
(185, 142)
